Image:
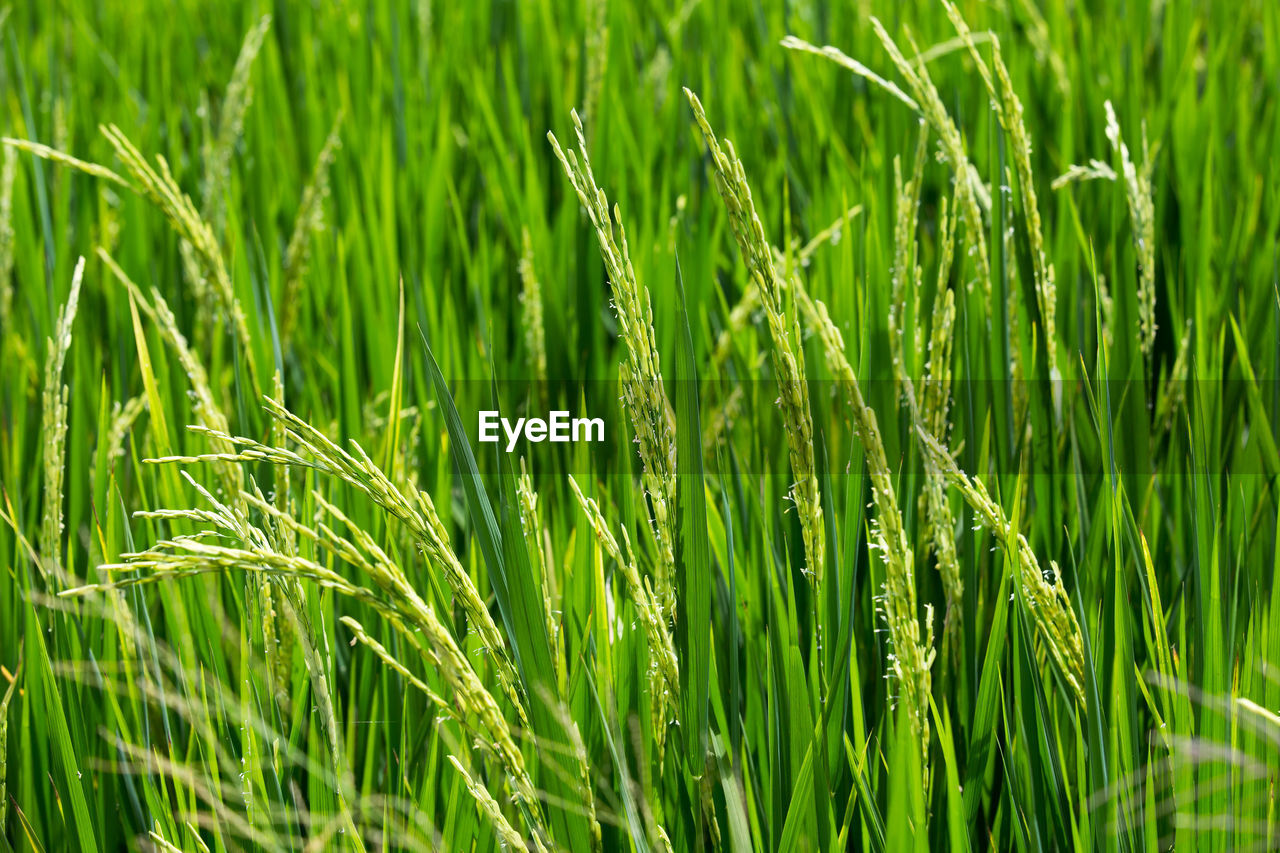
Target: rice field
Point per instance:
(937, 350)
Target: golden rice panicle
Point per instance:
(787, 352)
(1008, 108)
(55, 432)
(1138, 194)
(642, 390)
(911, 657)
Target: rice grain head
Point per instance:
(643, 393)
(54, 429)
(1044, 593)
(1008, 108)
(1138, 194)
(787, 352)
(971, 195)
(910, 658)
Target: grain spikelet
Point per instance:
(1008, 109)
(642, 389)
(911, 658)
(55, 433)
(788, 356)
(1046, 597)
(1137, 186)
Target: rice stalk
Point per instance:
(933, 413)
(1008, 109)
(54, 429)
(308, 222)
(643, 393)
(1044, 593)
(597, 50)
(399, 604)
(910, 658)
(538, 542)
(123, 417)
(788, 354)
(1138, 194)
(204, 405)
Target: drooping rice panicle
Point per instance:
(1046, 597)
(160, 188)
(643, 393)
(416, 512)
(507, 835)
(1008, 109)
(787, 353)
(910, 658)
(399, 604)
(1094, 170)
(308, 222)
(535, 334)
(1138, 194)
(54, 429)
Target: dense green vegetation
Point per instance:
(939, 505)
